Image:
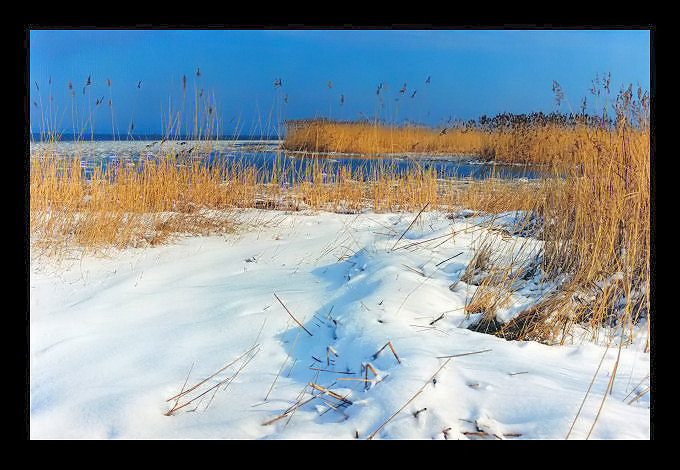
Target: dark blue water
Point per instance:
(265, 156)
(446, 167)
(363, 168)
(102, 137)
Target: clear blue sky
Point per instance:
(472, 72)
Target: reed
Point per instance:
(373, 139)
(592, 213)
(555, 140)
(595, 232)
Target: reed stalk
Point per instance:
(591, 212)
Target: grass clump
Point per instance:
(595, 234)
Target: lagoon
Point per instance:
(265, 154)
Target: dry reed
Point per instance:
(592, 214)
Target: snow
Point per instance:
(113, 338)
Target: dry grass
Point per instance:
(372, 139)
(592, 213)
(121, 205)
(596, 239)
(547, 144)
(145, 203)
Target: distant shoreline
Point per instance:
(102, 137)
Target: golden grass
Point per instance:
(145, 203)
(552, 143)
(593, 212)
(595, 228)
(370, 139)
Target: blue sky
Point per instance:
(472, 72)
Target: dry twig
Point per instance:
(291, 315)
(409, 401)
(410, 225)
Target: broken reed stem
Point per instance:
(610, 384)
(389, 343)
(379, 351)
(420, 273)
(329, 349)
(448, 259)
(360, 380)
(436, 319)
(289, 410)
(416, 288)
(592, 381)
(409, 401)
(369, 366)
(329, 404)
(464, 354)
(639, 395)
(447, 235)
(333, 371)
(210, 377)
(635, 388)
(182, 389)
(329, 392)
(395, 414)
(175, 408)
(444, 313)
(291, 315)
(484, 434)
(410, 225)
(271, 387)
(229, 379)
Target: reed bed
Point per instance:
(591, 214)
(135, 204)
(374, 139)
(546, 143)
(595, 232)
(596, 227)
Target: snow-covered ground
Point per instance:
(113, 340)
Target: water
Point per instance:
(265, 154)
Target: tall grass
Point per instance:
(596, 227)
(591, 216)
(540, 143)
(122, 203)
(145, 203)
(595, 233)
(373, 139)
